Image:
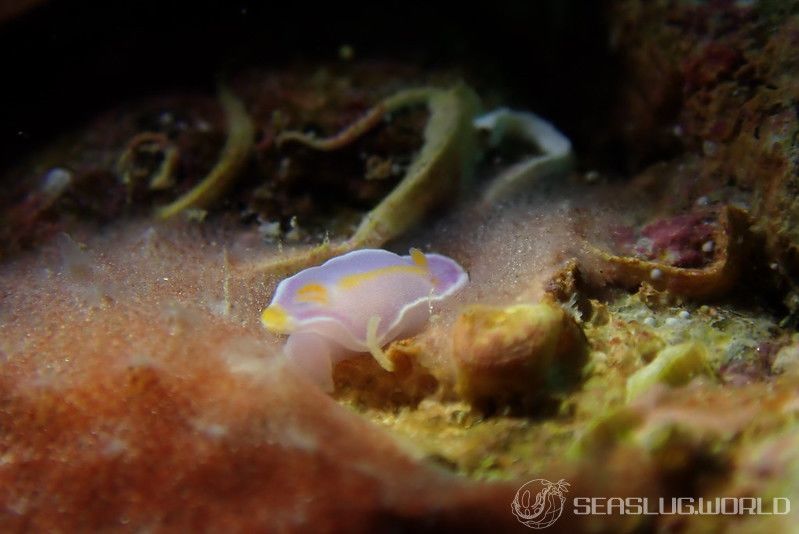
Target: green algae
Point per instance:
(673, 366)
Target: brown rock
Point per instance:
(515, 356)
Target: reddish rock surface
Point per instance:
(122, 411)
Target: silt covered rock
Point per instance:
(515, 355)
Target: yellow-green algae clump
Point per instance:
(628, 358)
(673, 366)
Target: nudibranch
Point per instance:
(359, 302)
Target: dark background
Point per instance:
(63, 61)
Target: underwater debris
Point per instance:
(240, 140)
(556, 157)
(673, 366)
(140, 160)
(434, 174)
(55, 182)
(732, 241)
(564, 284)
(22, 218)
(358, 302)
(516, 356)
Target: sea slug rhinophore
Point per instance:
(358, 302)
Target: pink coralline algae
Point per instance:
(684, 240)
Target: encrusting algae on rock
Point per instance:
(517, 355)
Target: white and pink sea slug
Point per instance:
(358, 302)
